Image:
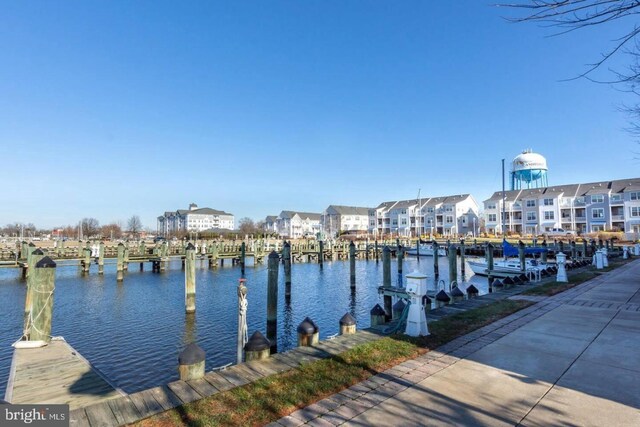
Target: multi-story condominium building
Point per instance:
(447, 215)
(584, 208)
(194, 219)
(339, 219)
(298, 224)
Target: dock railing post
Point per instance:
(120, 263)
(286, 258)
(101, 258)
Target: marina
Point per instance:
(132, 331)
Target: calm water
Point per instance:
(133, 331)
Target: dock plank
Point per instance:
(57, 373)
(124, 410)
(165, 397)
(184, 391)
(100, 415)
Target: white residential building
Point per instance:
(447, 215)
(296, 225)
(340, 219)
(584, 208)
(194, 219)
(270, 224)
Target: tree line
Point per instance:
(88, 228)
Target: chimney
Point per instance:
(193, 206)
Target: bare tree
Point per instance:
(571, 15)
(247, 226)
(134, 225)
(90, 227)
(111, 231)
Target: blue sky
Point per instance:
(115, 108)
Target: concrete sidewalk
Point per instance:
(572, 359)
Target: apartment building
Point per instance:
(296, 225)
(194, 219)
(584, 208)
(445, 215)
(340, 219)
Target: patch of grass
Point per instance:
(275, 396)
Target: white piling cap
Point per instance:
(416, 275)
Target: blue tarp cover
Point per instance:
(510, 250)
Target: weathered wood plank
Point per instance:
(247, 372)
(234, 377)
(202, 387)
(124, 410)
(78, 418)
(145, 403)
(184, 392)
(218, 381)
(100, 415)
(165, 397)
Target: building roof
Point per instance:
(271, 218)
(303, 215)
(424, 201)
(570, 190)
(349, 210)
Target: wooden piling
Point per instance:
(243, 254)
(36, 256)
(190, 279)
(375, 250)
(42, 300)
(257, 348)
(543, 255)
(521, 256)
(125, 261)
(347, 324)
(191, 362)
(489, 255)
(453, 267)
(436, 268)
(101, 258)
(87, 259)
(352, 264)
(400, 258)
(462, 264)
(272, 301)
(286, 259)
(308, 333)
(320, 254)
(386, 278)
(120, 263)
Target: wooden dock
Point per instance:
(56, 374)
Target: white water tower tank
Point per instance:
(528, 170)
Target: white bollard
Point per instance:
(597, 260)
(416, 320)
(636, 249)
(561, 259)
(625, 252)
(605, 257)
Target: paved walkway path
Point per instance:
(571, 359)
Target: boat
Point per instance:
(510, 265)
(426, 249)
(506, 267)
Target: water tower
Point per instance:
(529, 170)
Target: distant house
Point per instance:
(194, 219)
(296, 225)
(270, 224)
(338, 219)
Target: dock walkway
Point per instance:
(57, 374)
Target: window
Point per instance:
(448, 208)
(597, 198)
(616, 197)
(635, 195)
(395, 222)
(430, 210)
(548, 202)
(597, 213)
(492, 217)
(464, 220)
(491, 205)
(531, 216)
(595, 228)
(403, 211)
(449, 219)
(635, 211)
(549, 214)
(404, 221)
(531, 203)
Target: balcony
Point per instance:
(616, 202)
(617, 217)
